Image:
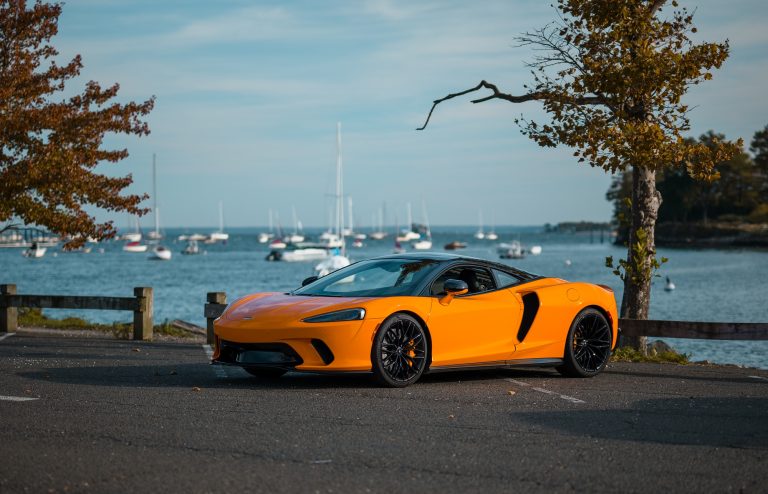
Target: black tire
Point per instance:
(400, 350)
(588, 345)
(265, 372)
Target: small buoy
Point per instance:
(669, 286)
(567, 262)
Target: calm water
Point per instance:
(712, 285)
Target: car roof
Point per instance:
(445, 258)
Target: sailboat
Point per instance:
(159, 252)
(35, 251)
(425, 243)
(297, 235)
(154, 234)
(480, 234)
(408, 233)
(133, 243)
(492, 234)
(265, 237)
(338, 260)
(219, 236)
(380, 233)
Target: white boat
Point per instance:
(297, 235)
(34, 251)
(219, 236)
(512, 250)
(265, 237)
(480, 234)
(535, 250)
(192, 248)
(134, 247)
(357, 243)
(669, 286)
(491, 235)
(134, 236)
(304, 254)
(408, 235)
(336, 260)
(160, 253)
(426, 243)
(278, 243)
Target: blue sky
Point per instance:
(249, 93)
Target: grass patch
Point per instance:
(120, 330)
(627, 354)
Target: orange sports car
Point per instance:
(401, 316)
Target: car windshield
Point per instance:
(373, 278)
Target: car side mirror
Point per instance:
(452, 289)
(309, 280)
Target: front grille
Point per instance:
(258, 354)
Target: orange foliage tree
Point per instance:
(49, 146)
(611, 75)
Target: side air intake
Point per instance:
(530, 308)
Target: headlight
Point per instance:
(339, 315)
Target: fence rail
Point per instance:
(141, 304)
(695, 329)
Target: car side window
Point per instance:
(505, 279)
(478, 280)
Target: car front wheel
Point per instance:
(399, 353)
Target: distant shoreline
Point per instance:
(712, 235)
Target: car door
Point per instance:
(474, 329)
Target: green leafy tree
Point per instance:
(611, 75)
(49, 146)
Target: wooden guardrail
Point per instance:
(141, 304)
(695, 329)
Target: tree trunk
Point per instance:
(641, 252)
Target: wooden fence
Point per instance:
(141, 304)
(629, 327)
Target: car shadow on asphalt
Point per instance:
(195, 374)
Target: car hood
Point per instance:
(283, 307)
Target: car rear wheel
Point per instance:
(399, 353)
(588, 345)
(265, 372)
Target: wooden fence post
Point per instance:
(213, 298)
(142, 316)
(8, 315)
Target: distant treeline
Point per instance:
(739, 195)
(576, 226)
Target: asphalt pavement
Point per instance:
(102, 415)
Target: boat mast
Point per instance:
(154, 194)
(221, 216)
(339, 191)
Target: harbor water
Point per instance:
(711, 285)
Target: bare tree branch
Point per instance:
(533, 96)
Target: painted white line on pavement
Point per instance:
(546, 391)
(6, 335)
(519, 383)
(17, 398)
(219, 370)
(759, 377)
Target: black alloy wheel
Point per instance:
(399, 353)
(588, 346)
